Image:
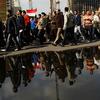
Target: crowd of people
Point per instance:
(72, 27)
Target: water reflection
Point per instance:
(67, 65)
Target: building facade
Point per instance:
(8, 4)
(4, 6)
(16, 6)
(84, 4)
(3, 9)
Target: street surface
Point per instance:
(47, 48)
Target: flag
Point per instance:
(31, 12)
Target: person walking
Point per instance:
(59, 23)
(21, 27)
(53, 27)
(88, 25)
(41, 30)
(77, 30)
(27, 27)
(12, 31)
(69, 24)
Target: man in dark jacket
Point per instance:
(21, 27)
(59, 23)
(77, 29)
(12, 31)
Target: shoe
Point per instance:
(48, 40)
(87, 41)
(73, 44)
(3, 50)
(62, 45)
(15, 89)
(17, 49)
(54, 44)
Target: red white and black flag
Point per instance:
(31, 12)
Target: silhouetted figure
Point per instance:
(15, 72)
(2, 71)
(80, 60)
(70, 61)
(59, 66)
(12, 31)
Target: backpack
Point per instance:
(71, 20)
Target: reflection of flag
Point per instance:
(31, 12)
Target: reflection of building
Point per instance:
(84, 4)
(3, 9)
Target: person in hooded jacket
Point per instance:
(12, 31)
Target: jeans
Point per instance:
(10, 38)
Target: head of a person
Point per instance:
(54, 13)
(93, 13)
(32, 18)
(58, 11)
(88, 12)
(66, 9)
(39, 15)
(23, 12)
(9, 13)
(83, 13)
(15, 16)
(19, 12)
(35, 16)
(43, 14)
(75, 12)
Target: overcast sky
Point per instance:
(41, 5)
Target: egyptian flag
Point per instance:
(31, 12)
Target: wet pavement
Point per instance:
(66, 75)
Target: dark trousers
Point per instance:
(97, 33)
(34, 33)
(41, 36)
(53, 34)
(9, 41)
(69, 36)
(27, 34)
(90, 33)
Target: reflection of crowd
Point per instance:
(72, 27)
(66, 65)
